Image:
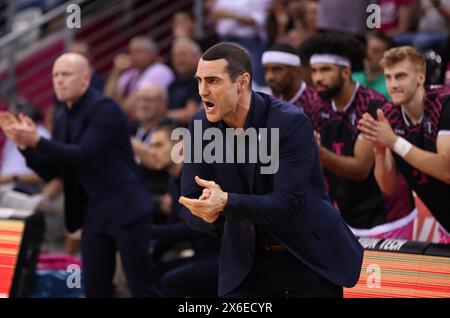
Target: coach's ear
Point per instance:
(244, 81)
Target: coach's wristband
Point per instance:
(402, 147)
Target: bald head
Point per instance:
(73, 59)
(71, 77)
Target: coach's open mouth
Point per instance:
(208, 105)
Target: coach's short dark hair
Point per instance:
(237, 57)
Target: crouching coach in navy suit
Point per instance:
(91, 151)
(281, 235)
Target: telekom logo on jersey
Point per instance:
(337, 147)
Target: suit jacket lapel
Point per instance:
(230, 171)
(81, 118)
(256, 121)
(77, 128)
(59, 131)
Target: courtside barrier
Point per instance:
(21, 234)
(399, 268)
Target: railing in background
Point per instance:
(106, 25)
(12, 42)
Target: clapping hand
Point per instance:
(21, 129)
(378, 131)
(209, 205)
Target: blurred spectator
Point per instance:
(306, 15)
(150, 108)
(243, 22)
(397, 16)
(373, 76)
(279, 21)
(22, 188)
(433, 29)
(347, 16)
(183, 25)
(184, 100)
(83, 48)
(23, 21)
(195, 276)
(135, 70)
(44, 5)
(13, 167)
(157, 157)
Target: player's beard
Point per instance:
(279, 89)
(333, 90)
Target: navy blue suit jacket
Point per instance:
(291, 205)
(102, 184)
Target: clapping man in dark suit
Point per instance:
(90, 150)
(281, 235)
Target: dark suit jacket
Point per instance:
(291, 205)
(101, 179)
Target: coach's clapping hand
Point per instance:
(7, 122)
(21, 130)
(209, 205)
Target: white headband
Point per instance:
(330, 59)
(279, 57)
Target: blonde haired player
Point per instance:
(412, 135)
